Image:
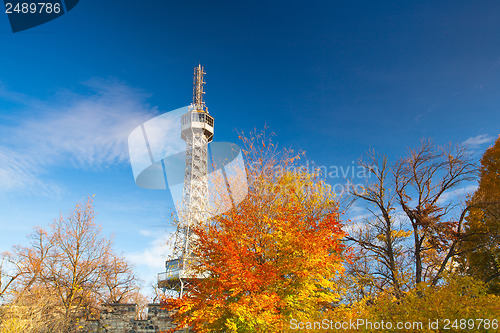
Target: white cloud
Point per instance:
(147, 233)
(353, 227)
(476, 141)
(459, 192)
(78, 130)
(14, 169)
(151, 260)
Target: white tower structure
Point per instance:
(197, 129)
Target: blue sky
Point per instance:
(331, 78)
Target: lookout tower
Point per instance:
(197, 129)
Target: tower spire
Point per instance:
(198, 89)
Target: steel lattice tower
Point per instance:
(197, 130)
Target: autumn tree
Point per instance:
(119, 284)
(273, 258)
(75, 263)
(10, 271)
(37, 311)
(461, 301)
(416, 223)
(481, 249)
(380, 261)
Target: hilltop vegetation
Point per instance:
(288, 259)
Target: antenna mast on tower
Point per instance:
(198, 89)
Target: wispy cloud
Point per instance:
(151, 260)
(478, 140)
(146, 233)
(18, 170)
(87, 130)
(457, 193)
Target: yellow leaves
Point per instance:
(273, 257)
(231, 325)
(457, 298)
(395, 234)
(401, 233)
(483, 220)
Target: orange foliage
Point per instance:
(274, 257)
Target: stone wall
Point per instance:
(121, 318)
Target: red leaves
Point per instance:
(274, 257)
(270, 259)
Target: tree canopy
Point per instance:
(481, 251)
(65, 272)
(274, 257)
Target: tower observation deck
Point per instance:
(197, 129)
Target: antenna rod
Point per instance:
(198, 91)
